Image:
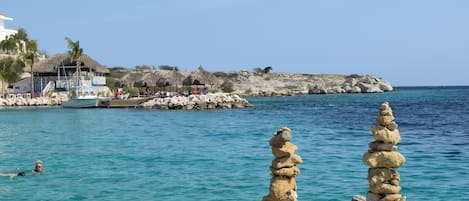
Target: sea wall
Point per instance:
(192, 102)
(196, 102)
(20, 100)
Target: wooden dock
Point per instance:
(128, 103)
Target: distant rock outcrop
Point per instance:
(247, 83)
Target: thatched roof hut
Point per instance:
(52, 64)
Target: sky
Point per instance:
(407, 42)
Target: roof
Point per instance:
(56, 61)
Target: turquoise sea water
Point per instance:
(136, 154)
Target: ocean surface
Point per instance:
(138, 154)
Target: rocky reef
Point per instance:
(283, 169)
(383, 158)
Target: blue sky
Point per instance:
(407, 42)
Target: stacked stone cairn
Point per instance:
(383, 159)
(283, 169)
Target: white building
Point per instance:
(5, 32)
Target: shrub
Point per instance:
(227, 87)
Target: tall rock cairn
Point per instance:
(383, 158)
(284, 169)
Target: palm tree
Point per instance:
(30, 56)
(9, 44)
(11, 69)
(75, 53)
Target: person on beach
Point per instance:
(37, 170)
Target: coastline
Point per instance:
(191, 102)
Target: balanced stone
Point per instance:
(383, 175)
(286, 149)
(384, 120)
(379, 146)
(280, 137)
(385, 135)
(289, 172)
(383, 159)
(385, 189)
(286, 162)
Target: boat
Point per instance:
(82, 101)
(82, 95)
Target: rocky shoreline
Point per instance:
(192, 102)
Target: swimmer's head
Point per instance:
(38, 167)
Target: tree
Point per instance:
(11, 69)
(267, 69)
(8, 45)
(258, 70)
(27, 49)
(30, 57)
(75, 53)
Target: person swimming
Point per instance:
(37, 170)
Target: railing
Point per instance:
(50, 85)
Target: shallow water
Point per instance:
(135, 154)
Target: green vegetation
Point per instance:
(24, 48)
(142, 68)
(75, 53)
(227, 87)
(265, 70)
(11, 69)
(168, 67)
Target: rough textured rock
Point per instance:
(289, 172)
(280, 137)
(286, 150)
(283, 169)
(377, 176)
(385, 135)
(385, 189)
(379, 146)
(198, 102)
(383, 159)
